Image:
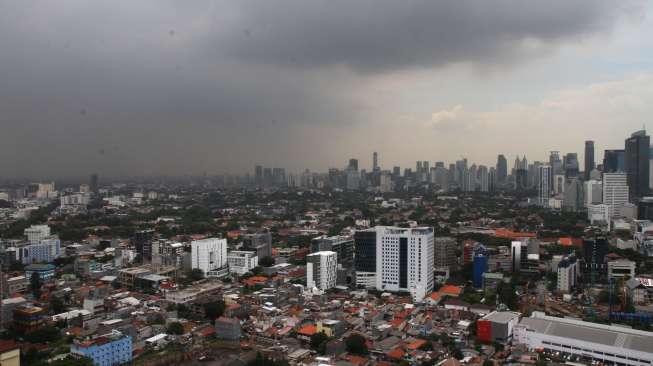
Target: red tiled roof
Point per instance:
(416, 344)
(451, 290)
(308, 330)
(397, 353)
(7, 345)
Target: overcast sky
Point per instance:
(185, 87)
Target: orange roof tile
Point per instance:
(397, 353)
(451, 290)
(308, 330)
(416, 344)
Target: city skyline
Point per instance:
(218, 87)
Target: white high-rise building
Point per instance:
(321, 270)
(210, 255)
(593, 192)
(567, 274)
(36, 233)
(405, 260)
(543, 189)
(615, 192)
(598, 213)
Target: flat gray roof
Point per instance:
(501, 316)
(590, 332)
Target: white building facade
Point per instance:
(615, 192)
(210, 255)
(321, 270)
(241, 262)
(405, 260)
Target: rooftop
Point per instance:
(591, 332)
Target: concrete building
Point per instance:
(404, 260)
(590, 341)
(445, 252)
(261, 243)
(110, 349)
(598, 214)
(615, 192)
(544, 185)
(342, 245)
(41, 251)
(568, 273)
(36, 233)
(593, 191)
(228, 329)
(621, 268)
(497, 326)
(396, 259)
(321, 270)
(636, 159)
(241, 262)
(44, 271)
(9, 353)
(210, 255)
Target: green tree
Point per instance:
(214, 310)
(196, 274)
(175, 328)
(356, 344)
(35, 285)
(318, 342)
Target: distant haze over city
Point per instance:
(142, 88)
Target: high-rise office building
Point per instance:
(589, 158)
(404, 259)
(210, 255)
(567, 274)
(261, 243)
(365, 258)
(594, 251)
(637, 163)
(615, 192)
(571, 165)
(342, 245)
(142, 241)
(516, 255)
(573, 195)
(544, 187)
(321, 270)
(483, 179)
(445, 252)
(502, 169)
(258, 174)
(593, 192)
(614, 161)
(93, 183)
(353, 164)
(375, 162)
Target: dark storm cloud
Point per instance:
(146, 87)
(376, 35)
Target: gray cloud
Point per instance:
(148, 87)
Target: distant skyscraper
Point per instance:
(571, 165)
(375, 161)
(589, 158)
(396, 171)
(614, 161)
(93, 184)
(502, 169)
(258, 174)
(637, 163)
(483, 178)
(544, 188)
(353, 164)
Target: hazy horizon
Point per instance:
(176, 88)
